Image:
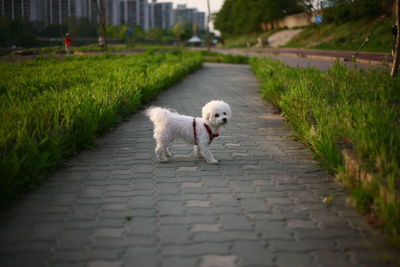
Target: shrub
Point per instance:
(345, 10)
(211, 56)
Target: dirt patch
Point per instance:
(282, 37)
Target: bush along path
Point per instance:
(350, 121)
(51, 108)
(263, 205)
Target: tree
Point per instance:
(155, 35)
(396, 58)
(138, 33)
(341, 11)
(244, 16)
(101, 13)
(117, 32)
(81, 27)
(53, 30)
(18, 32)
(178, 30)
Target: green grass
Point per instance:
(246, 40)
(215, 57)
(358, 109)
(348, 36)
(51, 108)
(58, 49)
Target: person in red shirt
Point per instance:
(67, 43)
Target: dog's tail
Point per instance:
(158, 115)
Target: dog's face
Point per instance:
(217, 113)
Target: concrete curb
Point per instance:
(328, 58)
(309, 56)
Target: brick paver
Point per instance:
(262, 206)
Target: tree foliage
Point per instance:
(81, 27)
(117, 32)
(155, 35)
(178, 30)
(341, 11)
(18, 32)
(244, 16)
(182, 31)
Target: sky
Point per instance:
(201, 5)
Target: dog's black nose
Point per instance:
(224, 119)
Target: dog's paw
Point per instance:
(162, 160)
(214, 161)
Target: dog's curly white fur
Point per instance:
(169, 125)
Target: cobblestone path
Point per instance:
(262, 206)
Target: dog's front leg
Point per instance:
(197, 152)
(206, 153)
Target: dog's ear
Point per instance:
(206, 115)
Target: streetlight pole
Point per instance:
(208, 27)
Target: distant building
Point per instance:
(200, 20)
(326, 4)
(48, 11)
(184, 14)
(130, 12)
(161, 15)
(15, 9)
(190, 15)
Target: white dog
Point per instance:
(169, 125)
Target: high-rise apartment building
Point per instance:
(17, 9)
(200, 20)
(48, 11)
(161, 15)
(190, 15)
(184, 14)
(130, 12)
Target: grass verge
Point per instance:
(58, 49)
(246, 40)
(215, 57)
(51, 108)
(348, 36)
(341, 108)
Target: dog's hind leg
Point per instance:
(168, 153)
(160, 153)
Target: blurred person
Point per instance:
(101, 41)
(67, 43)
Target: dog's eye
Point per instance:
(216, 115)
(224, 113)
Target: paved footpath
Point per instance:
(262, 206)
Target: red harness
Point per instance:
(209, 131)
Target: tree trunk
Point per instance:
(396, 58)
(101, 12)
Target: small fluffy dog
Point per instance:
(169, 125)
